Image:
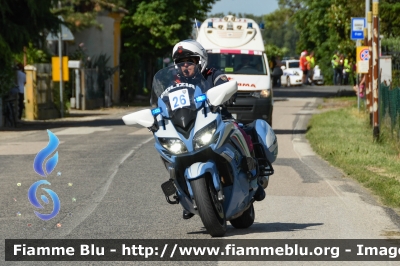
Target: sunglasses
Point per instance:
(190, 60)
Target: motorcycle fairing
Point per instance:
(267, 137)
(228, 145)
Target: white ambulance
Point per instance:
(235, 46)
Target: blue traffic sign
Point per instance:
(357, 28)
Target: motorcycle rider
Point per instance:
(195, 55)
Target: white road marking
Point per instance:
(23, 148)
(80, 215)
(303, 149)
(142, 131)
(81, 130)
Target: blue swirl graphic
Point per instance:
(32, 198)
(44, 153)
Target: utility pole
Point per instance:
(375, 47)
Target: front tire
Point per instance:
(209, 207)
(245, 220)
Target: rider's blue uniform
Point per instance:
(215, 77)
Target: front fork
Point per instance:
(196, 170)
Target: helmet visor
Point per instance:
(194, 60)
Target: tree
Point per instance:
(279, 31)
(389, 19)
(82, 14)
(150, 31)
(21, 22)
(324, 27)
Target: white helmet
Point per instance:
(190, 48)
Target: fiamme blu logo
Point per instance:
(44, 166)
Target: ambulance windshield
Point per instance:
(246, 64)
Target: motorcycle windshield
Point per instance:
(176, 86)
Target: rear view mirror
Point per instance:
(221, 93)
(143, 117)
(283, 67)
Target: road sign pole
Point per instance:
(66, 35)
(358, 92)
(358, 44)
(366, 85)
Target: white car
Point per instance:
(292, 74)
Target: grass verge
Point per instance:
(342, 136)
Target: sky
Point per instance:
(255, 7)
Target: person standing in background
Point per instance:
(339, 70)
(335, 65)
(310, 67)
(21, 81)
(346, 70)
(277, 71)
(303, 66)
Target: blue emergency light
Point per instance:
(210, 24)
(262, 26)
(200, 98)
(156, 111)
(249, 25)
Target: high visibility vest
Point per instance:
(311, 62)
(334, 62)
(346, 65)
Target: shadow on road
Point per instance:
(289, 131)
(271, 228)
(263, 228)
(35, 125)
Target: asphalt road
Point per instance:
(108, 180)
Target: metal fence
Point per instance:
(46, 104)
(98, 92)
(92, 90)
(389, 101)
(44, 84)
(389, 96)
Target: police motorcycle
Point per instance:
(207, 158)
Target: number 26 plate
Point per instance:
(179, 99)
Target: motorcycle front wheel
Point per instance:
(209, 207)
(245, 220)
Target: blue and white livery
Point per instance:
(207, 158)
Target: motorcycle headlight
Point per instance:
(174, 145)
(204, 136)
